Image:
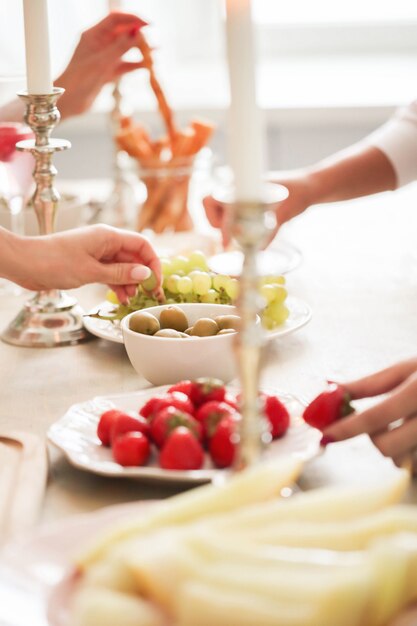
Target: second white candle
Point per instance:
(244, 124)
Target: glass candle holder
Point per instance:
(170, 198)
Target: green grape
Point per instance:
(193, 273)
(201, 283)
(166, 266)
(111, 297)
(232, 288)
(268, 293)
(273, 293)
(220, 281)
(211, 297)
(278, 312)
(172, 283)
(280, 294)
(148, 303)
(197, 259)
(272, 280)
(179, 263)
(150, 283)
(268, 322)
(184, 285)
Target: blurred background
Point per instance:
(328, 73)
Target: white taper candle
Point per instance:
(245, 129)
(38, 61)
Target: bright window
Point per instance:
(189, 35)
(331, 11)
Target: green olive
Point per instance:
(228, 321)
(170, 333)
(144, 323)
(205, 327)
(189, 330)
(173, 317)
(227, 331)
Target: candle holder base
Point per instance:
(47, 322)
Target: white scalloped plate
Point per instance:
(300, 315)
(75, 435)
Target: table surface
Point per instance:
(359, 274)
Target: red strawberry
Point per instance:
(125, 423)
(328, 407)
(211, 413)
(169, 418)
(105, 425)
(157, 403)
(184, 386)
(223, 444)
(206, 389)
(10, 134)
(277, 415)
(131, 449)
(181, 451)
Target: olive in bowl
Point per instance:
(168, 359)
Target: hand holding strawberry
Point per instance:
(328, 407)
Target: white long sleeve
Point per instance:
(398, 140)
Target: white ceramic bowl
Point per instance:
(162, 360)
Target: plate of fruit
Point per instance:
(187, 279)
(186, 432)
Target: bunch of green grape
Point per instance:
(187, 278)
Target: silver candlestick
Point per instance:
(50, 318)
(251, 223)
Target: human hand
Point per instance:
(300, 187)
(94, 254)
(392, 422)
(97, 60)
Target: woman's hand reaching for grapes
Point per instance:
(94, 254)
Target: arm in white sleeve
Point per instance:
(398, 141)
